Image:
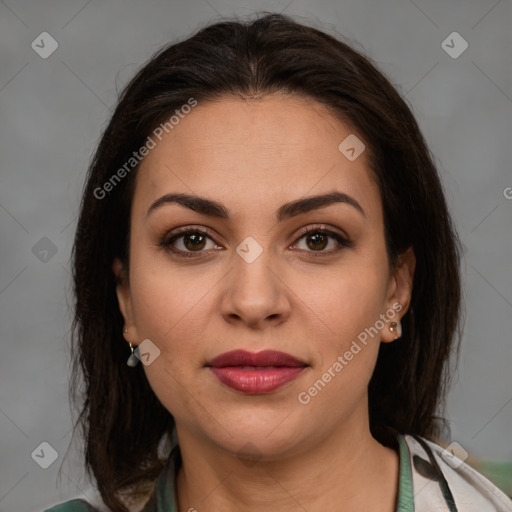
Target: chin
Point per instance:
(257, 443)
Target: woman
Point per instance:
(267, 287)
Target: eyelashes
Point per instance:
(198, 238)
(194, 234)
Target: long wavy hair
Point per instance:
(120, 418)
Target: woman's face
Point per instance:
(256, 281)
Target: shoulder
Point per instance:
(469, 489)
(73, 506)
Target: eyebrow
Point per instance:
(215, 209)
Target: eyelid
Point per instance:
(342, 239)
(325, 228)
(169, 239)
(192, 229)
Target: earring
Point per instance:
(133, 360)
(125, 330)
(396, 327)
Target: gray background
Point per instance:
(52, 111)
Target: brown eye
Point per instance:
(318, 238)
(318, 241)
(194, 241)
(186, 242)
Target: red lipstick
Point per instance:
(256, 372)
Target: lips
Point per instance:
(256, 373)
(264, 358)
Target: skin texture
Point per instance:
(265, 452)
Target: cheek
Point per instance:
(347, 341)
(169, 309)
(347, 301)
(348, 306)
(165, 298)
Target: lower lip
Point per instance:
(256, 381)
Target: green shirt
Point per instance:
(163, 498)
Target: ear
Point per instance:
(124, 299)
(399, 292)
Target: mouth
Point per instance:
(256, 373)
(265, 358)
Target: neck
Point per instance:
(344, 472)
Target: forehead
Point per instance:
(250, 153)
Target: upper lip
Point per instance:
(263, 358)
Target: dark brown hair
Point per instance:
(122, 420)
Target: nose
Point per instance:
(255, 294)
